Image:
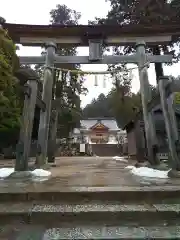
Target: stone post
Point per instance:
(168, 117)
(52, 138)
(24, 144)
(47, 98)
(172, 106)
(146, 97)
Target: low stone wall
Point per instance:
(61, 150)
(107, 149)
(73, 150)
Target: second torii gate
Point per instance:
(95, 55)
(95, 41)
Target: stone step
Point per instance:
(45, 213)
(79, 194)
(91, 231)
(113, 232)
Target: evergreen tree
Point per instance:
(9, 102)
(67, 90)
(68, 87)
(144, 13)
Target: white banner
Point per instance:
(82, 148)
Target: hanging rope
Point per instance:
(123, 73)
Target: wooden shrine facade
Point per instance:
(100, 131)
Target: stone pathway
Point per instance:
(91, 232)
(113, 232)
(92, 206)
(104, 183)
(85, 172)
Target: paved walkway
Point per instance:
(87, 174)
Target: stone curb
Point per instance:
(46, 213)
(71, 196)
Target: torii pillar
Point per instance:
(47, 98)
(146, 97)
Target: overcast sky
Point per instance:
(37, 12)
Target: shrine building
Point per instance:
(100, 131)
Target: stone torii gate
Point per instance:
(94, 37)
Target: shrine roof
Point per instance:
(156, 109)
(110, 123)
(17, 31)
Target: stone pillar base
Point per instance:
(142, 164)
(44, 167)
(20, 174)
(162, 166)
(174, 173)
(52, 165)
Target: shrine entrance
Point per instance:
(99, 134)
(95, 37)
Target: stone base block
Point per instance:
(142, 164)
(20, 174)
(174, 173)
(162, 166)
